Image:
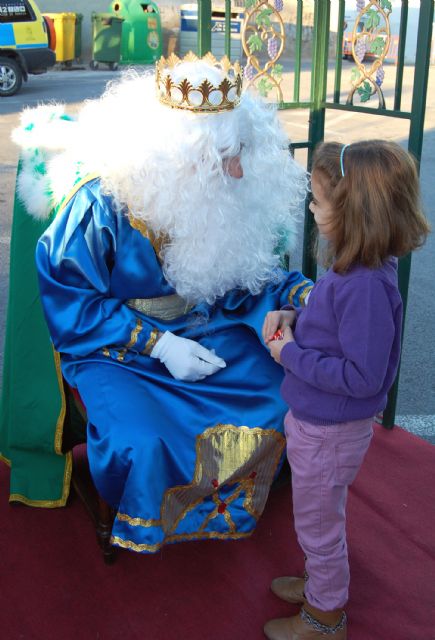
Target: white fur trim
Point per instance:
(33, 189)
(42, 134)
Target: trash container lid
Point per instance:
(106, 16)
(65, 14)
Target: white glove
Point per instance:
(186, 359)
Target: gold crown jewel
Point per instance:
(205, 97)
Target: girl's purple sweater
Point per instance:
(347, 346)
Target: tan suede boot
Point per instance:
(289, 588)
(310, 624)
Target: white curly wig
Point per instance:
(165, 166)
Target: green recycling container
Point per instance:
(106, 32)
(78, 36)
(141, 31)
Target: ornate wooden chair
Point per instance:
(74, 439)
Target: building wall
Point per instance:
(170, 17)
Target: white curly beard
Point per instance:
(225, 235)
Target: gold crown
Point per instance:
(203, 98)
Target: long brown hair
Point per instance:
(375, 205)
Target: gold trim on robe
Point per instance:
(239, 459)
(293, 291)
(164, 307)
(17, 497)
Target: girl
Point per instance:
(340, 354)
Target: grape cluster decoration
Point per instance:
(263, 36)
(250, 72)
(360, 49)
(272, 47)
(380, 75)
(371, 35)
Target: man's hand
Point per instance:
(276, 346)
(276, 320)
(186, 359)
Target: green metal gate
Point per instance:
(371, 37)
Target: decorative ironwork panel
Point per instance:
(371, 39)
(263, 40)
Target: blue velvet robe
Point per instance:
(177, 460)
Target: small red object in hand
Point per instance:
(278, 335)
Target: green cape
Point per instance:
(32, 409)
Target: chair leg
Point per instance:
(99, 510)
(104, 530)
(75, 434)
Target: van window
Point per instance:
(15, 11)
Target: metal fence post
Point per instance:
(316, 129)
(204, 27)
(415, 145)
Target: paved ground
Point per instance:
(416, 403)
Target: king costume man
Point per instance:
(163, 213)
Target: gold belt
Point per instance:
(163, 308)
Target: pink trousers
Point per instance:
(324, 461)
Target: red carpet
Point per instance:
(54, 585)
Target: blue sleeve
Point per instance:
(252, 309)
(297, 290)
(366, 332)
(73, 260)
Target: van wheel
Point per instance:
(11, 77)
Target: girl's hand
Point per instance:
(276, 346)
(275, 320)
